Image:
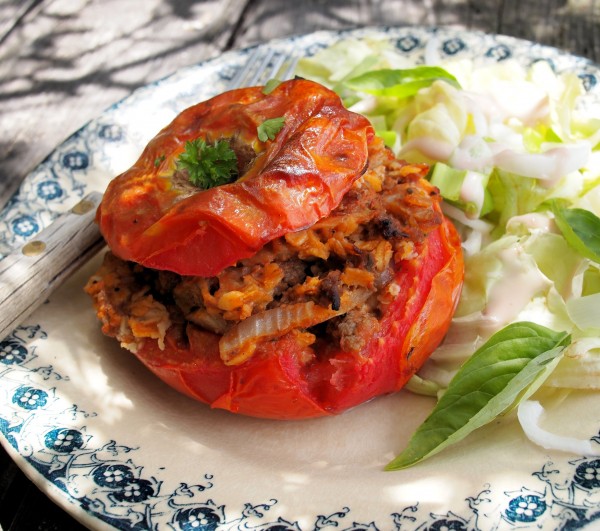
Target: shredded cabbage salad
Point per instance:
(517, 159)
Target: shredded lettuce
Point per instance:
(515, 153)
(466, 189)
(585, 312)
(580, 366)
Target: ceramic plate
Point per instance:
(119, 450)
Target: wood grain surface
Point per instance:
(63, 61)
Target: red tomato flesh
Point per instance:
(151, 217)
(274, 383)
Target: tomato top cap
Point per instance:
(297, 149)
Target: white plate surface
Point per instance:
(120, 450)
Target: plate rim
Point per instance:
(58, 496)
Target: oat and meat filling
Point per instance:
(344, 263)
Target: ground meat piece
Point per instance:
(188, 294)
(389, 227)
(353, 250)
(331, 290)
(165, 282)
(355, 329)
(294, 272)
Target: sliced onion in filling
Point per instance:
(239, 343)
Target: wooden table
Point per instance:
(64, 61)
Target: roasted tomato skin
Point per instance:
(279, 383)
(152, 215)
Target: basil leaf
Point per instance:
(399, 83)
(510, 366)
(581, 229)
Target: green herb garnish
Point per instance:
(159, 160)
(271, 85)
(269, 128)
(208, 165)
(581, 228)
(399, 83)
(508, 368)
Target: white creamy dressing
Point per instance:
(523, 101)
(472, 242)
(482, 113)
(489, 115)
(473, 153)
(479, 225)
(472, 190)
(519, 284)
(366, 105)
(432, 148)
(474, 239)
(548, 166)
(532, 222)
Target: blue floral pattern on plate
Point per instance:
(70, 448)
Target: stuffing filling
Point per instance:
(332, 280)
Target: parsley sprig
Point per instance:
(208, 165)
(269, 128)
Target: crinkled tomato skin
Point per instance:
(152, 215)
(275, 383)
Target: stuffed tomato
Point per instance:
(319, 275)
